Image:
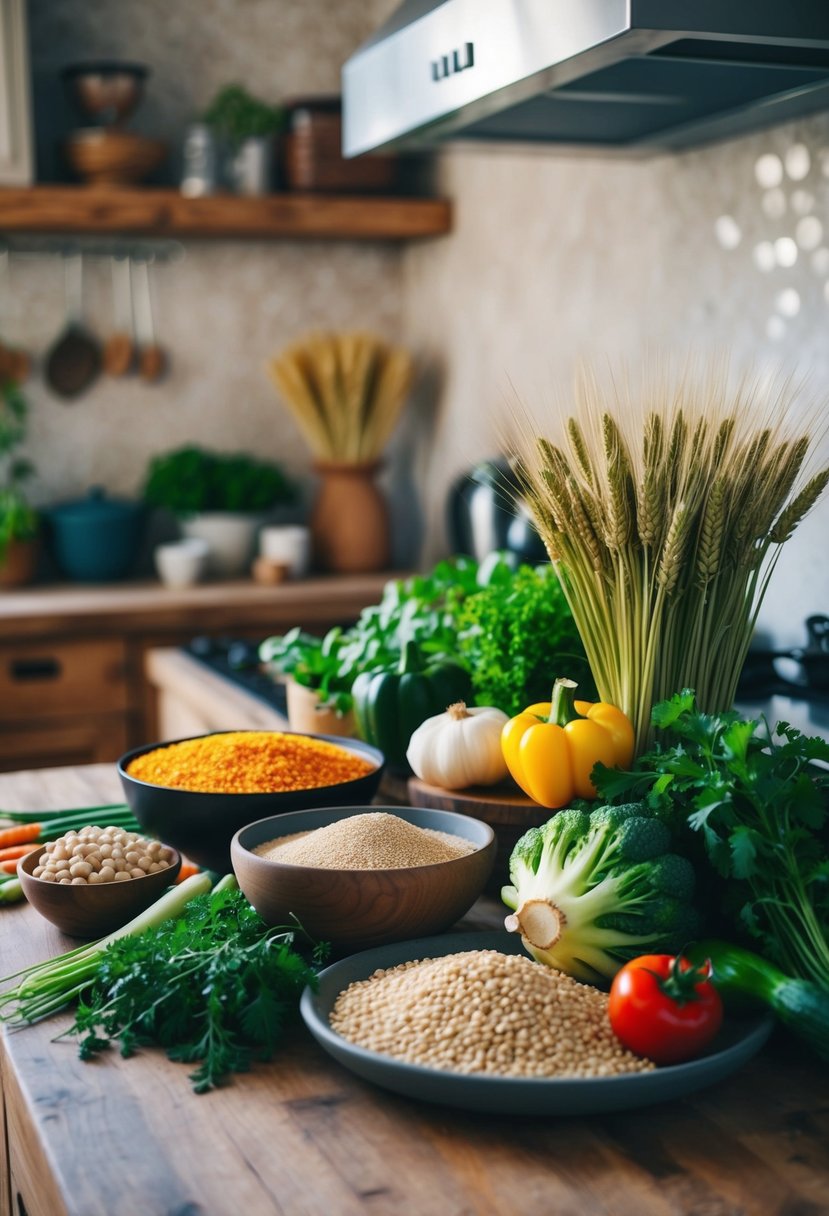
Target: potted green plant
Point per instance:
(247, 128)
(220, 497)
(317, 691)
(18, 519)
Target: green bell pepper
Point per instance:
(390, 705)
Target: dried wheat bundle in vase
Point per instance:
(345, 392)
(664, 512)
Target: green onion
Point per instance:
(11, 889)
(75, 811)
(47, 987)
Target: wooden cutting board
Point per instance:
(496, 804)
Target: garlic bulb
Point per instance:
(459, 748)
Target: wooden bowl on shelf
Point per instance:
(111, 157)
(356, 909)
(93, 911)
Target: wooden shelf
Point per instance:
(151, 212)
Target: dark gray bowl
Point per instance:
(736, 1043)
(202, 825)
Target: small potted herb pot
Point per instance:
(247, 128)
(220, 498)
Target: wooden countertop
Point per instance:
(125, 607)
(302, 1137)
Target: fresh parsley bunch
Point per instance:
(214, 988)
(758, 798)
(516, 635)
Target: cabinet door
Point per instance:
(55, 678)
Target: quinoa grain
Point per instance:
(484, 1012)
(375, 841)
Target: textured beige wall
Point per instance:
(558, 259)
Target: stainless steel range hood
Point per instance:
(636, 74)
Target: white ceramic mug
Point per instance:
(182, 562)
(288, 545)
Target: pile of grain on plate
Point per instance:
(375, 841)
(485, 1012)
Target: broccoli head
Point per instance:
(591, 890)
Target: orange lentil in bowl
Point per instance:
(249, 762)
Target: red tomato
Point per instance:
(664, 1008)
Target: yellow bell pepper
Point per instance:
(551, 747)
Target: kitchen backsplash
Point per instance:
(553, 258)
(557, 259)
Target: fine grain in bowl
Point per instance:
(354, 904)
(202, 805)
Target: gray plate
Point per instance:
(736, 1043)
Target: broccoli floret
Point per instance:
(590, 891)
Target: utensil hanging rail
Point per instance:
(135, 248)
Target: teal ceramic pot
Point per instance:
(96, 539)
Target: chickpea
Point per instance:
(97, 856)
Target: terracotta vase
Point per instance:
(19, 563)
(350, 520)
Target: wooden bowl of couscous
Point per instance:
(361, 876)
(196, 793)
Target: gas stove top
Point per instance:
(238, 661)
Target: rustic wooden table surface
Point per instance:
(302, 1137)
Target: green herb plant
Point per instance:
(191, 479)
(508, 625)
(236, 115)
(214, 988)
(759, 800)
(516, 635)
(18, 520)
(422, 609)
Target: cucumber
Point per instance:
(800, 1005)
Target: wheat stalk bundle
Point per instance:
(664, 513)
(345, 392)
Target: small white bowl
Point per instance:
(182, 562)
(288, 545)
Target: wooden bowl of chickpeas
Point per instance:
(90, 882)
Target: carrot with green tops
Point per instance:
(27, 833)
(8, 867)
(17, 850)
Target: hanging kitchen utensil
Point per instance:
(75, 358)
(15, 364)
(119, 350)
(152, 360)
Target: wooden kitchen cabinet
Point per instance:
(73, 688)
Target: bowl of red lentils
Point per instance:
(362, 876)
(197, 792)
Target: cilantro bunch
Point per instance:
(758, 799)
(214, 988)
